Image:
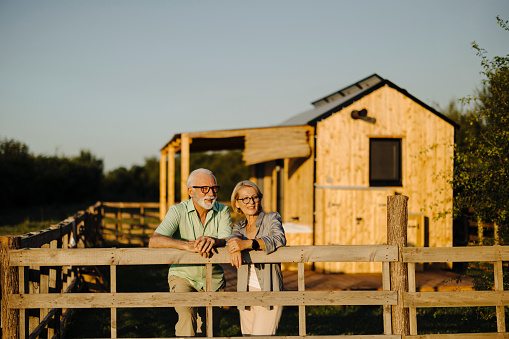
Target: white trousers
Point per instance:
(258, 320)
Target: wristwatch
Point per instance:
(255, 245)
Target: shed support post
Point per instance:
(184, 173)
(171, 176)
(162, 184)
(9, 285)
(397, 221)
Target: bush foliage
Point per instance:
(36, 180)
(31, 180)
(481, 173)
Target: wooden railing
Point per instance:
(398, 296)
(497, 297)
(72, 233)
(129, 223)
(146, 256)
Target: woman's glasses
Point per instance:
(206, 189)
(245, 200)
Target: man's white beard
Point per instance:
(206, 202)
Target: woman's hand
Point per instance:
(236, 244)
(235, 247)
(236, 259)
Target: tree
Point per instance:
(482, 162)
(469, 127)
(139, 183)
(16, 173)
(29, 180)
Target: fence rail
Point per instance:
(130, 223)
(72, 233)
(31, 307)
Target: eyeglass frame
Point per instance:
(255, 199)
(214, 189)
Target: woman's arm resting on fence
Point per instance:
(236, 244)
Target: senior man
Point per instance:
(195, 225)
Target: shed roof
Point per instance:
(270, 139)
(259, 144)
(334, 102)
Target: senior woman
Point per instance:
(259, 231)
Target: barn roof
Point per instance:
(334, 102)
(289, 139)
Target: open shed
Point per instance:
(329, 170)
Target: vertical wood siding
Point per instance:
(342, 152)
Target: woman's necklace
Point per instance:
(250, 228)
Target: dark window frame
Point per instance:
(395, 180)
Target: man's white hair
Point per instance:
(190, 179)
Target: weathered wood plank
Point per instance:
(46, 236)
(499, 286)
(162, 183)
(397, 218)
(156, 256)
(170, 201)
(262, 145)
(9, 284)
(456, 299)
(184, 165)
(361, 336)
(460, 336)
(163, 299)
(456, 254)
(131, 204)
(302, 308)
(386, 285)
(412, 288)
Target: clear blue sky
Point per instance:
(120, 78)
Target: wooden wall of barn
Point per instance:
(348, 211)
(298, 177)
(299, 198)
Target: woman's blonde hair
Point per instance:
(241, 185)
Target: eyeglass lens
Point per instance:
(206, 189)
(255, 199)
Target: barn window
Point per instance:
(385, 162)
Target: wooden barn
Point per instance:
(329, 170)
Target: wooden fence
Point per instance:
(129, 223)
(398, 296)
(72, 233)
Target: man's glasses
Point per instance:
(206, 189)
(255, 199)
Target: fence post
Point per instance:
(93, 223)
(9, 285)
(397, 220)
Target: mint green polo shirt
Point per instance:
(182, 223)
